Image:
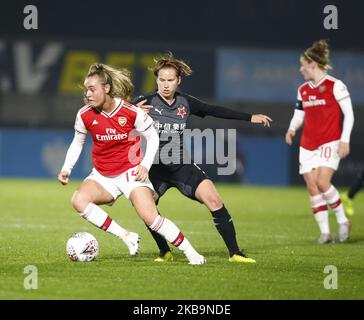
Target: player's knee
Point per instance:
(80, 201)
(323, 185)
(214, 203)
(148, 217)
(312, 187)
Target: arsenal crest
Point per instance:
(122, 121)
(322, 89)
(181, 112)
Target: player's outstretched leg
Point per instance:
(102, 220)
(207, 193)
(143, 202)
(171, 233)
(225, 226)
(165, 254)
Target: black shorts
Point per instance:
(186, 178)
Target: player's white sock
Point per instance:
(320, 213)
(102, 220)
(171, 233)
(332, 197)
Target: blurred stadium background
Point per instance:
(244, 55)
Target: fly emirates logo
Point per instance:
(313, 102)
(111, 135)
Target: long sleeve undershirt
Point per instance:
(202, 109)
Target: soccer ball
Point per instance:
(82, 246)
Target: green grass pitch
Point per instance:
(273, 224)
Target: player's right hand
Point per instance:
(63, 177)
(289, 136)
(145, 107)
(141, 174)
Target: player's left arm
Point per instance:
(203, 109)
(343, 98)
(144, 124)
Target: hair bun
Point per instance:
(321, 47)
(319, 52)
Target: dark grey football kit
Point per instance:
(173, 169)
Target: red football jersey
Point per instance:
(322, 122)
(115, 148)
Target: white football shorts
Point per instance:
(325, 155)
(122, 184)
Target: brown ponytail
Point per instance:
(119, 80)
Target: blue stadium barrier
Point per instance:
(40, 154)
(265, 160)
(273, 75)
